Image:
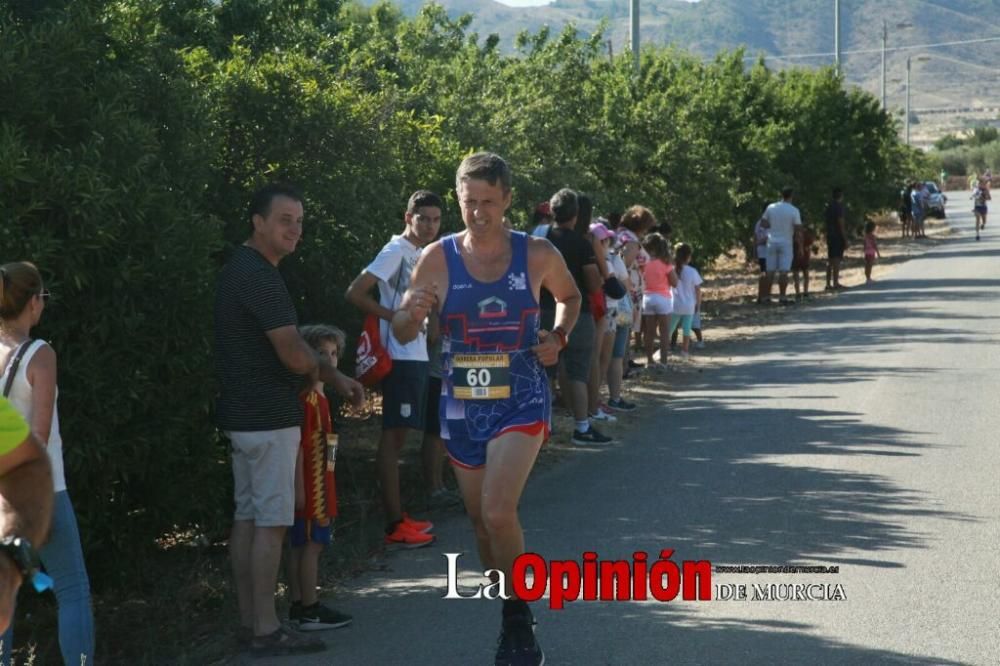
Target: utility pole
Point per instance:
(611, 52)
(634, 25)
(885, 37)
(836, 32)
(907, 100)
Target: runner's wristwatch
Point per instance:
(26, 559)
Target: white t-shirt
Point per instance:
(20, 398)
(685, 299)
(784, 217)
(393, 267)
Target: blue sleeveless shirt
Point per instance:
(492, 381)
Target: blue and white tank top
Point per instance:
(497, 317)
(492, 379)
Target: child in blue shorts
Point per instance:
(315, 493)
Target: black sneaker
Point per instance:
(517, 645)
(620, 405)
(284, 641)
(317, 617)
(592, 436)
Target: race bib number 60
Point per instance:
(481, 376)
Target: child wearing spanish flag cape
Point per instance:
(315, 493)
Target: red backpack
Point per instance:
(374, 362)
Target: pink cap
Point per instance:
(600, 232)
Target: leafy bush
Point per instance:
(968, 159)
(102, 175)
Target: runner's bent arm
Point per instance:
(427, 292)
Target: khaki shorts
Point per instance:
(264, 475)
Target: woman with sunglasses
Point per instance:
(29, 383)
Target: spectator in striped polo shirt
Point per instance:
(261, 360)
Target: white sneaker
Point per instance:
(602, 415)
(685, 356)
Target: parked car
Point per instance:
(936, 200)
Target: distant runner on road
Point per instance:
(484, 282)
(980, 196)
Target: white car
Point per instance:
(936, 200)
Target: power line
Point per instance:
(911, 47)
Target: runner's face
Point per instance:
(279, 233)
(424, 223)
(483, 206)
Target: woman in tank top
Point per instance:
(29, 379)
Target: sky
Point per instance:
(536, 3)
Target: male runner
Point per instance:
(485, 283)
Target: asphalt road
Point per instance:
(860, 434)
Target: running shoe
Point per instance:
(601, 415)
(517, 645)
(424, 526)
(404, 536)
(592, 436)
(284, 641)
(699, 345)
(620, 405)
(317, 617)
(685, 356)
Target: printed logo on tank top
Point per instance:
(517, 281)
(492, 308)
(458, 286)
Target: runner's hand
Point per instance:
(419, 302)
(548, 348)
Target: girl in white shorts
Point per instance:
(657, 303)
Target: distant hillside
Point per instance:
(954, 76)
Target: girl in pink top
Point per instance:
(657, 302)
(871, 250)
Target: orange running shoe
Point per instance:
(423, 526)
(405, 536)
